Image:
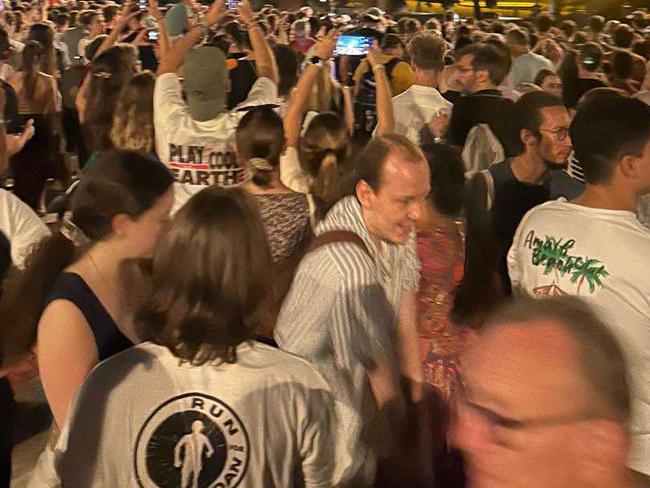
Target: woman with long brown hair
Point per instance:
(37, 100)
(133, 119)
(71, 305)
(209, 402)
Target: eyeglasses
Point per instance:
(558, 134)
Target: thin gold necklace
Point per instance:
(110, 285)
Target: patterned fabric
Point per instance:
(442, 254)
(286, 221)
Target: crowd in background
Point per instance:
(236, 254)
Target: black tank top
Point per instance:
(108, 338)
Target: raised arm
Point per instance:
(171, 61)
(385, 116)
(163, 39)
(262, 53)
(126, 14)
(300, 96)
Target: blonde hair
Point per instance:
(323, 151)
(326, 93)
(133, 119)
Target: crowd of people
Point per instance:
(281, 262)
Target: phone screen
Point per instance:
(153, 35)
(353, 45)
(142, 4)
(231, 4)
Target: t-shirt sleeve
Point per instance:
(401, 78)
(168, 103)
(512, 259)
(291, 173)
(263, 92)
(24, 230)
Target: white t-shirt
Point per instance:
(525, 68)
(416, 107)
(143, 418)
(603, 256)
(21, 225)
(200, 154)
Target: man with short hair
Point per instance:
(93, 25)
(545, 400)
(352, 296)
(195, 137)
(541, 123)
(480, 69)
(594, 246)
(72, 36)
(525, 64)
(422, 101)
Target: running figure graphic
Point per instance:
(192, 446)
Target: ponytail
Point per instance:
(327, 179)
(262, 171)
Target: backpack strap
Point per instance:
(489, 184)
(338, 236)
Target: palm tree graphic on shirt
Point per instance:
(553, 255)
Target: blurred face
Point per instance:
(392, 212)
(97, 25)
(465, 75)
(522, 420)
(553, 85)
(142, 234)
(554, 143)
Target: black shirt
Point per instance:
(242, 79)
(572, 90)
(483, 107)
(512, 200)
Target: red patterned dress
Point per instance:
(442, 255)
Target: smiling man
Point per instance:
(545, 400)
(352, 302)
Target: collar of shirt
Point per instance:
(346, 215)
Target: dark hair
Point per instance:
(110, 12)
(120, 182)
(260, 136)
(235, 32)
(427, 51)
(461, 43)
(43, 34)
(447, 178)
(600, 93)
(602, 362)
(62, 19)
(527, 114)
(324, 150)
(542, 75)
(109, 72)
(5, 46)
(642, 48)
(369, 165)
(86, 17)
(623, 36)
(568, 27)
(544, 23)
(391, 41)
(518, 37)
(32, 58)
(488, 57)
(622, 64)
(210, 275)
(605, 130)
(287, 61)
(591, 56)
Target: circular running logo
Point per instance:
(192, 441)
